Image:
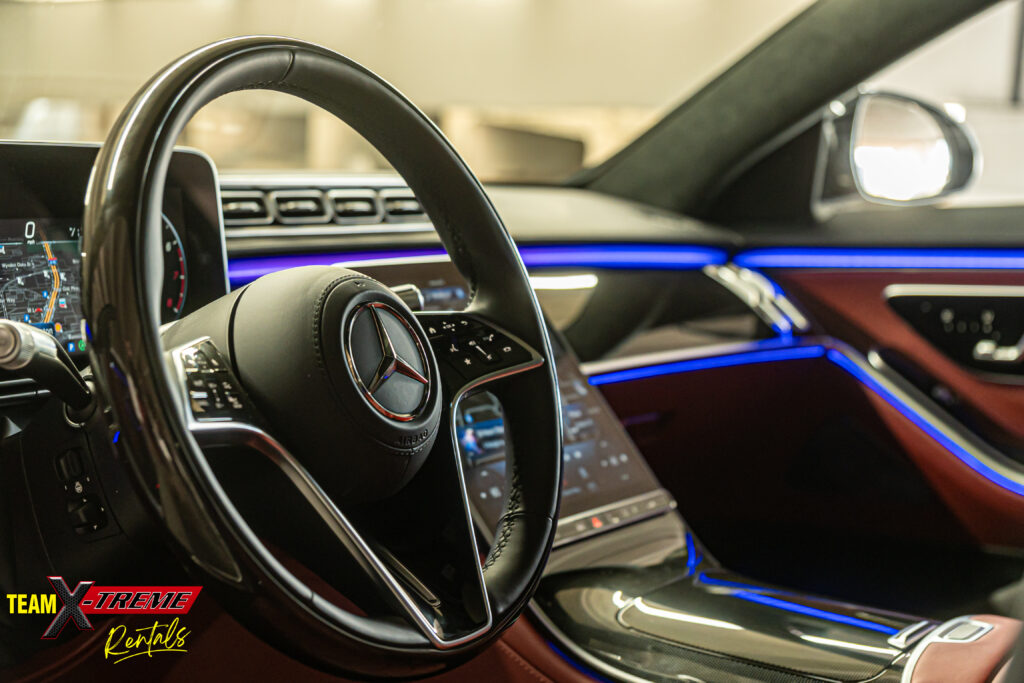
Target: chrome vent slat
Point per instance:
(299, 207)
(401, 205)
(355, 207)
(245, 207)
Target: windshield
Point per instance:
(527, 90)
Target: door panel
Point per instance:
(851, 305)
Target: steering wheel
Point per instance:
(328, 375)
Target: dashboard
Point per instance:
(607, 484)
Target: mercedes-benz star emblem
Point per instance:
(400, 353)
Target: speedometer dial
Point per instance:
(172, 299)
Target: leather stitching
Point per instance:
(508, 525)
(512, 508)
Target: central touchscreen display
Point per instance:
(41, 276)
(601, 466)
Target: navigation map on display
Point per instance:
(40, 277)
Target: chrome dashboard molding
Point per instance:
(328, 230)
(641, 360)
(913, 631)
(397, 261)
(377, 181)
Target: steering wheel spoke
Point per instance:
(446, 602)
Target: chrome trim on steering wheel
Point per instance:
(221, 432)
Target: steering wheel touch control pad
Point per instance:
(473, 348)
(212, 392)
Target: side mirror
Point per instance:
(891, 149)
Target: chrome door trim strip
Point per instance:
(1000, 291)
(641, 360)
(761, 296)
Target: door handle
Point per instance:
(988, 350)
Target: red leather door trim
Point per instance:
(850, 305)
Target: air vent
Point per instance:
(299, 206)
(245, 208)
(355, 206)
(319, 205)
(401, 205)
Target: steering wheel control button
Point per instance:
(213, 393)
(388, 361)
(473, 348)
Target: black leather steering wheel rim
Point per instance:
(119, 263)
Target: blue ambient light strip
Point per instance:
(840, 257)
(693, 555)
(813, 612)
(623, 256)
(242, 271)
(842, 361)
(709, 362)
(953, 447)
(671, 257)
(638, 256)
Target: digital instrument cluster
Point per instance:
(41, 276)
(42, 194)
